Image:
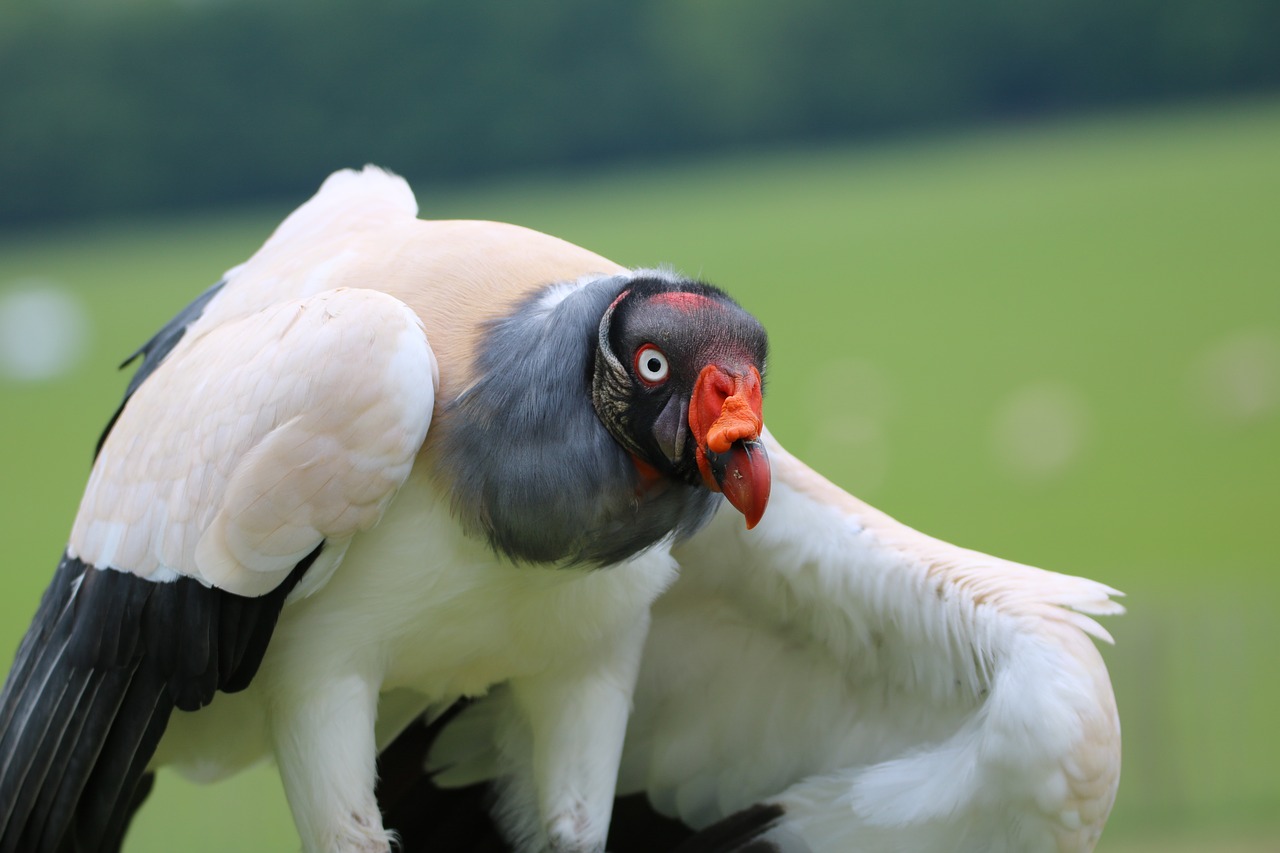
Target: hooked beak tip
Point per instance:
(743, 475)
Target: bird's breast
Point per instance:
(439, 612)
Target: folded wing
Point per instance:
(234, 475)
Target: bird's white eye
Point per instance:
(651, 365)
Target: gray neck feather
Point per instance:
(531, 465)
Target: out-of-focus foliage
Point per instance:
(151, 104)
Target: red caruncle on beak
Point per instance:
(725, 417)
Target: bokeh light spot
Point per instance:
(1237, 380)
(43, 331)
(1040, 430)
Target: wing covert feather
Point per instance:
(259, 439)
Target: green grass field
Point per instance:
(1058, 343)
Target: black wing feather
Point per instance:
(93, 687)
(429, 819)
(742, 832)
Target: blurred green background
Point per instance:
(1035, 310)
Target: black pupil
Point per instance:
(653, 364)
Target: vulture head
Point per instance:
(677, 381)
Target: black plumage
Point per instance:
(431, 819)
(108, 657)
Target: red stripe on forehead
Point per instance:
(681, 300)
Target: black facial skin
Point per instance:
(652, 420)
(538, 453)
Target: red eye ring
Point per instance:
(651, 366)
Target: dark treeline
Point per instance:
(151, 105)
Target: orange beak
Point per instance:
(725, 418)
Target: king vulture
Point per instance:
(388, 465)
